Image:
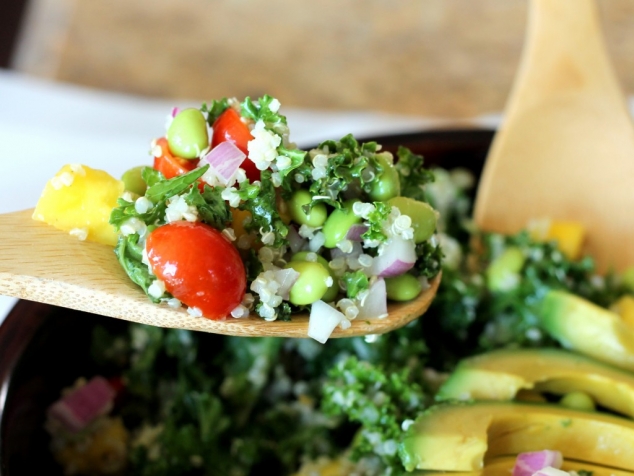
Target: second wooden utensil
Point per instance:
(565, 150)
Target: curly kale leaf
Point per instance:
(428, 259)
(347, 161)
(413, 176)
(376, 221)
(377, 400)
(261, 110)
(260, 200)
(212, 208)
(215, 109)
(354, 282)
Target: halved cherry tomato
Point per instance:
(199, 266)
(169, 165)
(229, 127)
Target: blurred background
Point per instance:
(435, 58)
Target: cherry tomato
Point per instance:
(228, 126)
(199, 266)
(170, 165)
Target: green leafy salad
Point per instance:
(180, 402)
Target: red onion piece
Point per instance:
(530, 463)
(83, 405)
(355, 232)
(175, 111)
(322, 321)
(397, 257)
(375, 304)
(225, 159)
(286, 278)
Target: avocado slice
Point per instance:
(457, 436)
(503, 466)
(587, 328)
(501, 374)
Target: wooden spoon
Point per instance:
(565, 150)
(41, 263)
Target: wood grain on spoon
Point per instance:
(565, 150)
(40, 263)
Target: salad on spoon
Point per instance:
(234, 226)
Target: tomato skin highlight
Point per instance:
(229, 127)
(199, 267)
(170, 165)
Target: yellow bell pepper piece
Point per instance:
(79, 200)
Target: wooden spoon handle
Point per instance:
(564, 54)
(565, 149)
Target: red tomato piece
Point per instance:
(170, 165)
(229, 127)
(199, 266)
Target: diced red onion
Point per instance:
(355, 232)
(175, 111)
(527, 464)
(82, 406)
(397, 257)
(286, 278)
(225, 159)
(295, 241)
(375, 304)
(322, 321)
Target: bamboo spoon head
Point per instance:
(40, 263)
(565, 150)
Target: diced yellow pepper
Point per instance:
(569, 237)
(624, 307)
(79, 200)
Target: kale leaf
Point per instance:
(380, 402)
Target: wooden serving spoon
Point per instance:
(565, 150)
(40, 263)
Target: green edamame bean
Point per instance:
(388, 184)
(187, 134)
(133, 180)
(315, 217)
(333, 290)
(503, 272)
(312, 283)
(578, 401)
(422, 214)
(403, 287)
(338, 224)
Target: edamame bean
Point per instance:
(403, 287)
(333, 290)
(312, 283)
(338, 224)
(422, 214)
(503, 272)
(388, 184)
(187, 135)
(315, 217)
(133, 180)
(578, 401)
